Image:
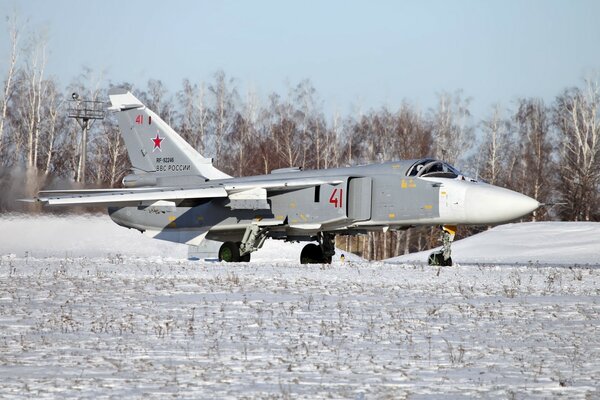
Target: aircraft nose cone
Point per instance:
(488, 204)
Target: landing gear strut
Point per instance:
(443, 257)
(321, 253)
(253, 239)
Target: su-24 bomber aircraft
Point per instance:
(174, 193)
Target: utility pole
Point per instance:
(85, 113)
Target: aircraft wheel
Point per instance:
(229, 252)
(437, 258)
(245, 257)
(313, 254)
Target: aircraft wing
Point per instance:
(124, 196)
(242, 194)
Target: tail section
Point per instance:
(154, 148)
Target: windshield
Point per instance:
(430, 167)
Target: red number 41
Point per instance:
(336, 198)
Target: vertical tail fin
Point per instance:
(153, 146)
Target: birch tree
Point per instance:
(13, 33)
(225, 98)
(496, 148)
(576, 114)
(536, 167)
(32, 80)
(452, 128)
(195, 114)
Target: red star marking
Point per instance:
(157, 142)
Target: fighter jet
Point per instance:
(174, 193)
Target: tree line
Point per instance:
(549, 151)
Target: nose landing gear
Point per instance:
(443, 257)
(319, 254)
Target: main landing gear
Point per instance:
(230, 252)
(253, 239)
(321, 253)
(443, 257)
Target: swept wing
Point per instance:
(256, 189)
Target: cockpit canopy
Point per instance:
(429, 167)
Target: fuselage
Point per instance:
(392, 195)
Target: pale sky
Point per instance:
(356, 53)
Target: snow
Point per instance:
(525, 243)
(91, 310)
(97, 235)
(78, 236)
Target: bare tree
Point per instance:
(453, 132)
(246, 130)
(413, 135)
(54, 123)
(225, 98)
(332, 154)
(535, 158)
(32, 79)
(310, 123)
(284, 131)
(13, 32)
(496, 148)
(195, 115)
(576, 115)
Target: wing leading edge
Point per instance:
(250, 189)
(120, 196)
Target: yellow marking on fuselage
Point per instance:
(428, 206)
(391, 215)
(172, 223)
(410, 184)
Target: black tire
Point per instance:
(229, 252)
(246, 257)
(312, 254)
(437, 259)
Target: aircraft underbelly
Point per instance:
(186, 224)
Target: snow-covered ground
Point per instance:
(105, 312)
(526, 243)
(98, 236)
